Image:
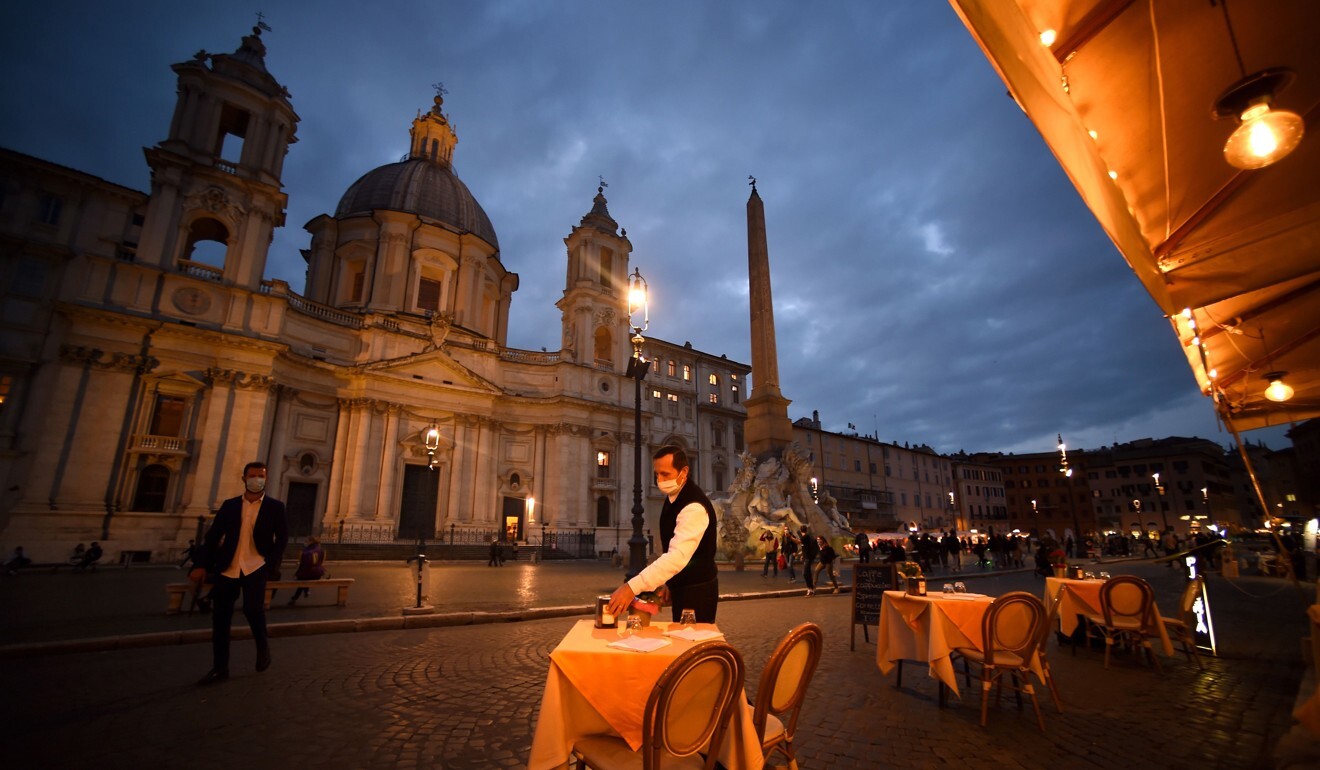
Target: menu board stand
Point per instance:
(870, 581)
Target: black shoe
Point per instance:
(263, 659)
(213, 676)
(203, 605)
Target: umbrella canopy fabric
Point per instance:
(1124, 95)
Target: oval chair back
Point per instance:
(1011, 628)
(690, 704)
(1126, 600)
(783, 689)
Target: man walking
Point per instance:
(243, 550)
(771, 553)
(810, 550)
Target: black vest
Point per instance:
(701, 567)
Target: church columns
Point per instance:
(387, 498)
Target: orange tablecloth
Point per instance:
(928, 628)
(1082, 597)
(593, 689)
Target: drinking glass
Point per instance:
(631, 627)
(1090, 576)
(689, 618)
(960, 587)
(1104, 576)
(948, 588)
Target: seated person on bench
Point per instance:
(311, 566)
(91, 557)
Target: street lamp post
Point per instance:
(1159, 489)
(1079, 542)
(637, 368)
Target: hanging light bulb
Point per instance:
(1278, 390)
(1264, 137)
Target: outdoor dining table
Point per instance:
(1082, 597)
(594, 689)
(929, 628)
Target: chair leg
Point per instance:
(967, 674)
(1017, 688)
(1049, 683)
(1150, 650)
(1109, 644)
(985, 695)
(899, 683)
(1190, 643)
(1035, 704)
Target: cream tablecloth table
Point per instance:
(593, 689)
(928, 628)
(1082, 597)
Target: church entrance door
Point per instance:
(417, 508)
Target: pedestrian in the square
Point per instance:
(243, 549)
(810, 552)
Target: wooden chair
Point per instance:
(1128, 607)
(783, 690)
(687, 711)
(1010, 634)
(1046, 631)
(1180, 629)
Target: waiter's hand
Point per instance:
(621, 600)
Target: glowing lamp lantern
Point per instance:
(1278, 390)
(1265, 135)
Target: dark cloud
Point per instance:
(936, 278)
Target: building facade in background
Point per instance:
(146, 358)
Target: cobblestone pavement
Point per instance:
(467, 697)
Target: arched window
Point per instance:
(602, 512)
(152, 484)
(603, 344)
(208, 241)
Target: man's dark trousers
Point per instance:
(226, 591)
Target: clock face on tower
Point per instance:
(191, 300)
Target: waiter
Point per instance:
(687, 535)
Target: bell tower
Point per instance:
(216, 196)
(595, 301)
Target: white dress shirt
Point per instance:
(246, 559)
(688, 530)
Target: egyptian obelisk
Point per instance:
(767, 430)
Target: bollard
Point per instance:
(419, 608)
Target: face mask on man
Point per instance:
(256, 484)
(669, 488)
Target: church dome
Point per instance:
(422, 187)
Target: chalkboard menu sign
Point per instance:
(870, 581)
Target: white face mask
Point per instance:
(255, 484)
(669, 488)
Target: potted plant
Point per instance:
(911, 572)
(1059, 563)
(644, 605)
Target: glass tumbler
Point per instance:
(960, 587)
(631, 627)
(688, 618)
(948, 588)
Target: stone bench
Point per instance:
(175, 592)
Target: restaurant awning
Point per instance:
(1124, 98)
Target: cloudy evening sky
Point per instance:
(936, 278)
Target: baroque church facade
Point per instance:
(146, 358)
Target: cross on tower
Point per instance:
(753, 182)
(603, 183)
(261, 23)
(440, 89)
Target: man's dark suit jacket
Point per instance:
(270, 534)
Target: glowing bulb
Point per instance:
(1093, 134)
(1048, 37)
(1113, 174)
(1278, 390)
(1264, 137)
(1213, 373)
